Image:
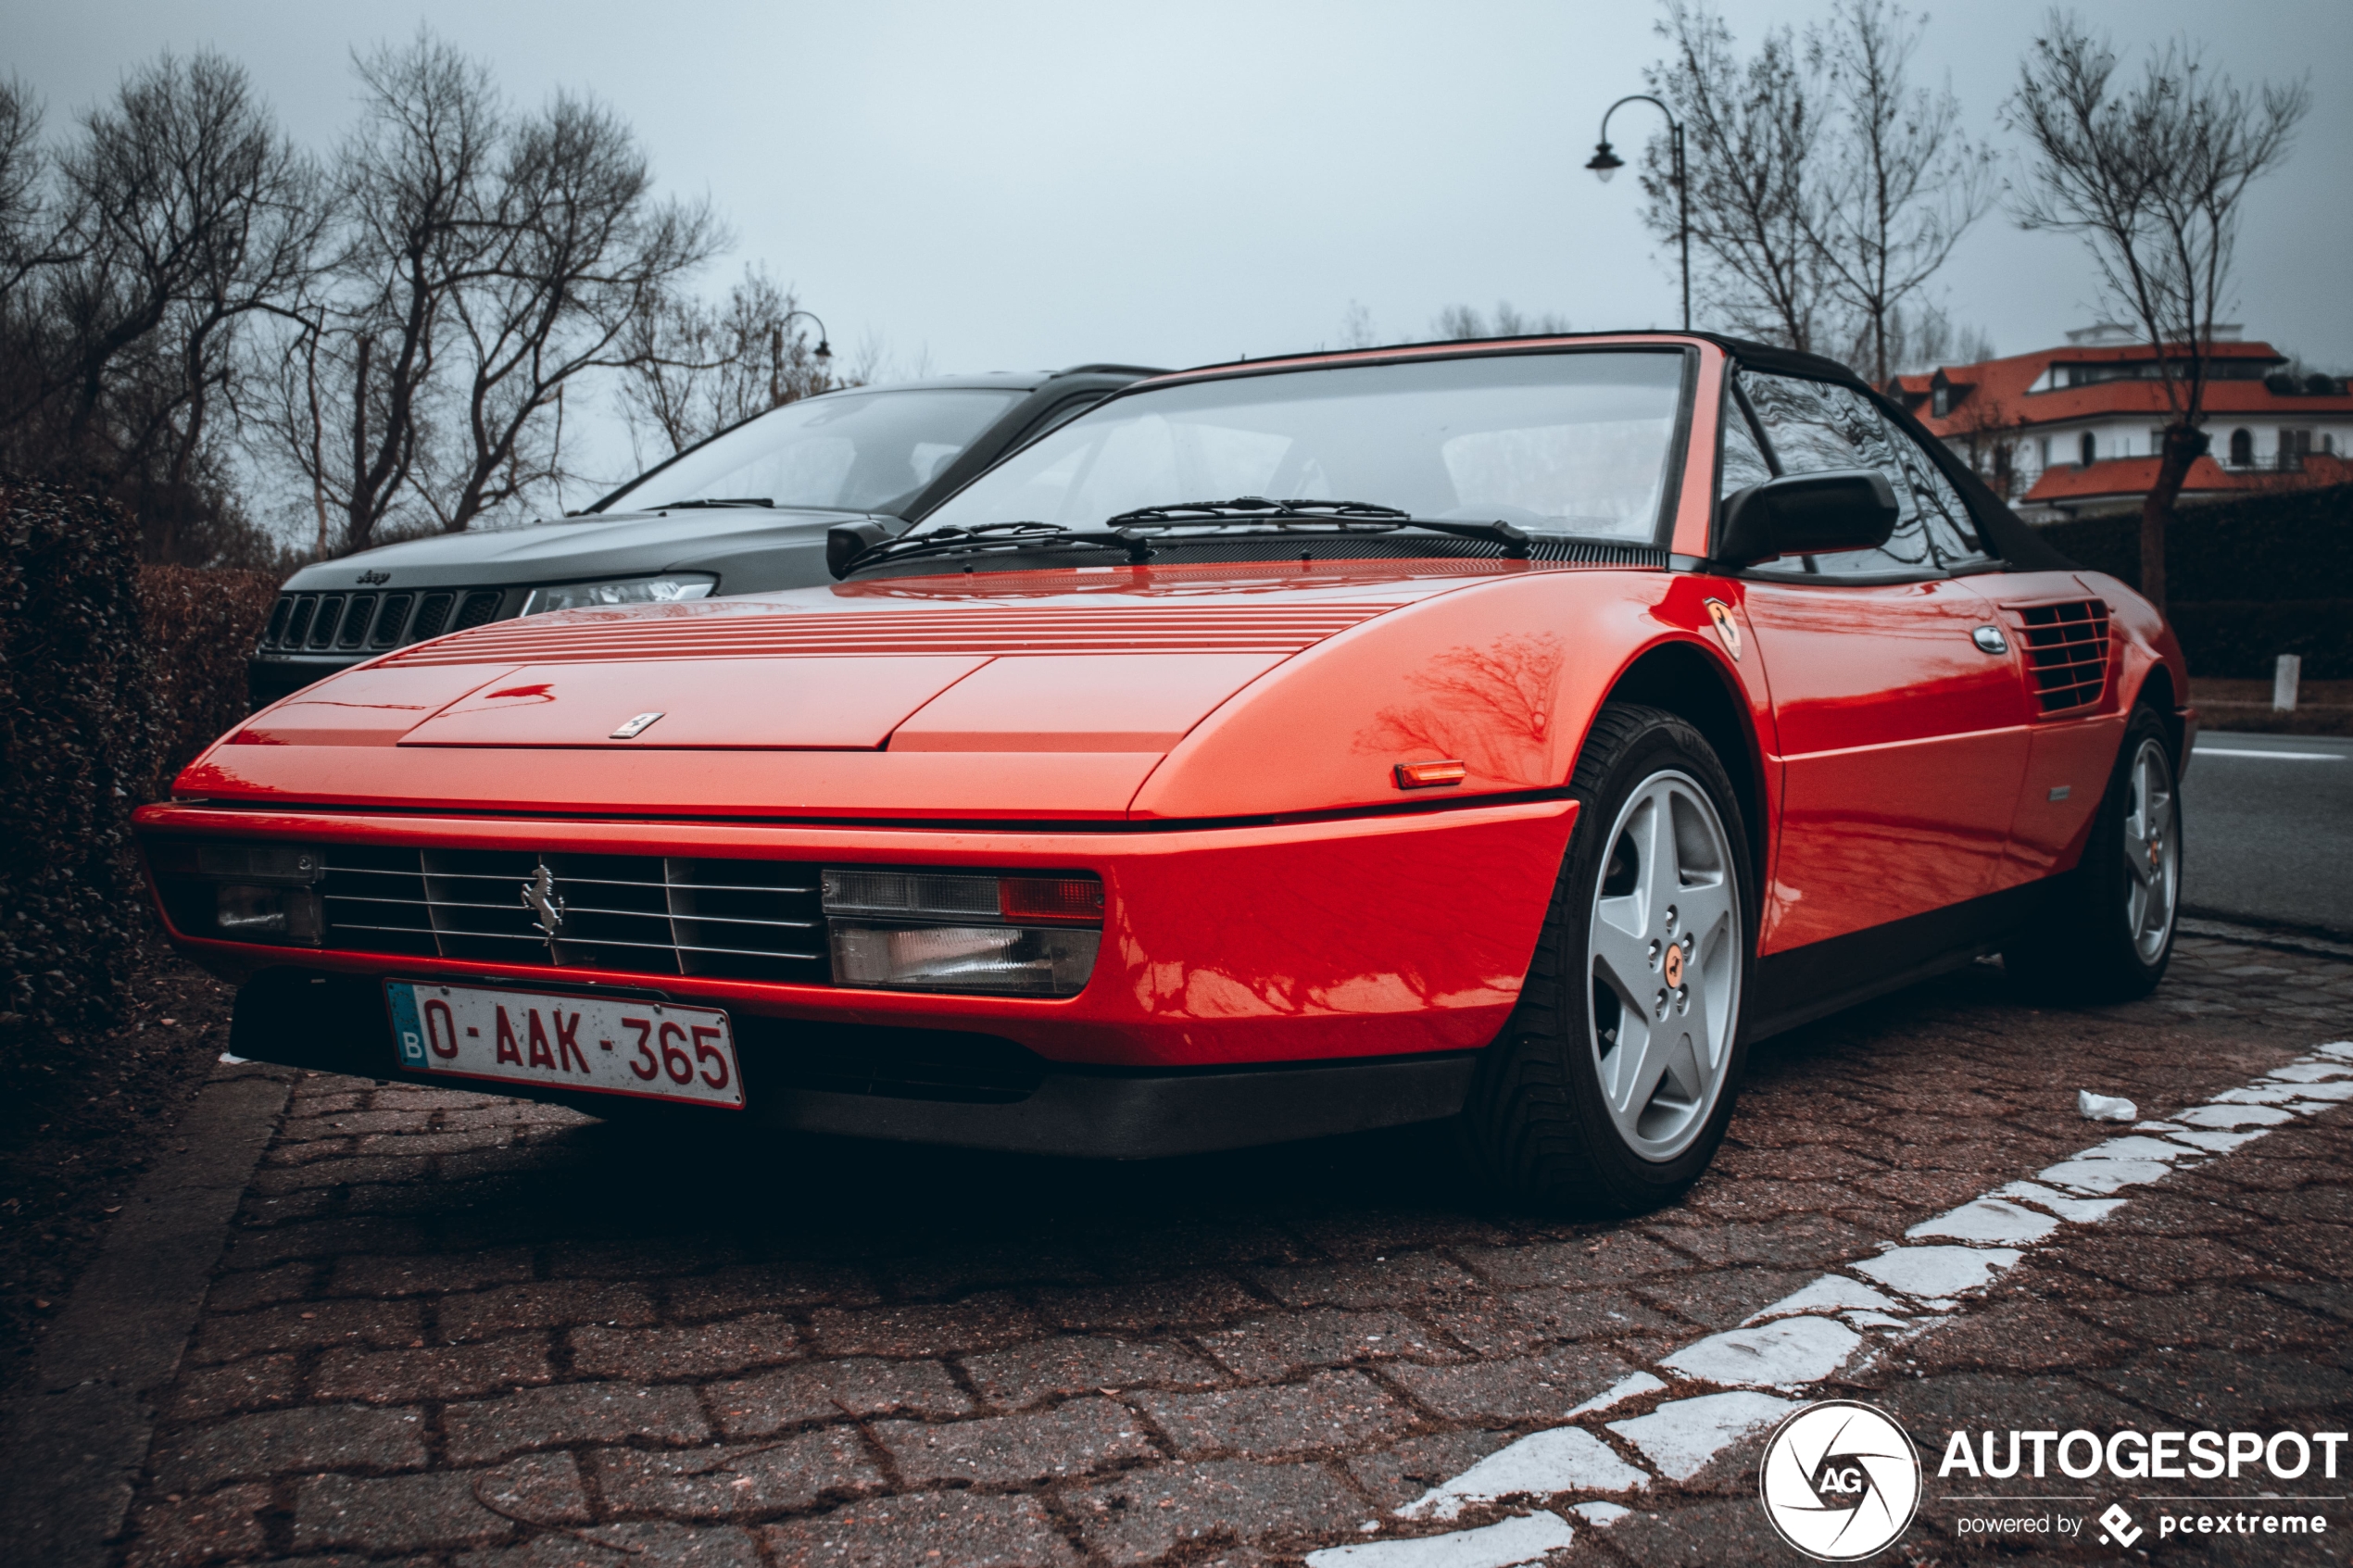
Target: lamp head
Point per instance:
(1605, 162)
(825, 349)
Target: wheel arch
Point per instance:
(1683, 677)
(2156, 690)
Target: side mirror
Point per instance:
(844, 541)
(1807, 514)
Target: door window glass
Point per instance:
(1815, 427)
(1744, 461)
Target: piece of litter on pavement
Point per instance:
(234, 1060)
(2105, 1108)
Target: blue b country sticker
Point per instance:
(406, 1029)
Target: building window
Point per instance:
(1940, 402)
(2294, 446)
(2043, 453)
(2087, 450)
(2242, 448)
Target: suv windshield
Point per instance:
(844, 451)
(1569, 444)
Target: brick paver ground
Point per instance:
(473, 1333)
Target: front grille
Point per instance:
(433, 616)
(389, 621)
(480, 608)
(2067, 646)
(354, 621)
(350, 623)
(650, 914)
(323, 624)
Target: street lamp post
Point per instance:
(1606, 163)
(825, 350)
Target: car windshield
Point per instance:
(1567, 443)
(845, 451)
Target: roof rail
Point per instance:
(1114, 371)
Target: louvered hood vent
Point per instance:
(598, 636)
(2067, 649)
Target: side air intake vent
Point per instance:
(2067, 647)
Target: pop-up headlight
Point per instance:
(242, 892)
(926, 931)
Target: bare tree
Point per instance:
(28, 233)
(1903, 182)
(1751, 127)
(488, 262)
(136, 263)
(583, 249)
(695, 368)
(2151, 176)
(1464, 322)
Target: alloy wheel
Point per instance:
(1663, 956)
(2152, 851)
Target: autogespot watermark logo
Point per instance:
(1841, 1480)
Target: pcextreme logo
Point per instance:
(1840, 1480)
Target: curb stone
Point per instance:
(77, 1439)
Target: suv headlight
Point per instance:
(669, 589)
(926, 931)
(242, 892)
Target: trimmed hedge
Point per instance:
(79, 744)
(2239, 640)
(202, 625)
(2266, 546)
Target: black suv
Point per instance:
(744, 512)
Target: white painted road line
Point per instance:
(2278, 755)
(1801, 1339)
(1523, 1539)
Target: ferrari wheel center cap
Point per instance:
(1674, 967)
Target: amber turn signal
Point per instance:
(1429, 775)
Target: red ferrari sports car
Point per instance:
(1511, 733)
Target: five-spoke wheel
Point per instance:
(2151, 850)
(1663, 957)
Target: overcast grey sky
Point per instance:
(999, 185)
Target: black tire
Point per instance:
(2084, 947)
(1537, 1128)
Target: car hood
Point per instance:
(576, 549)
(1045, 695)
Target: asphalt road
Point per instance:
(2267, 825)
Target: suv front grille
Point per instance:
(372, 623)
(738, 920)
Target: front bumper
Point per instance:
(1367, 936)
(335, 1023)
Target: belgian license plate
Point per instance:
(596, 1043)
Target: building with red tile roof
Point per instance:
(2074, 430)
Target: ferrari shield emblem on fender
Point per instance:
(1727, 629)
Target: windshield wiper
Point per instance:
(1253, 506)
(714, 501)
(1259, 514)
(1135, 531)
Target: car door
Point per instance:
(1900, 727)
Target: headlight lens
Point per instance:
(928, 931)
(235, 891)
(676, 586)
